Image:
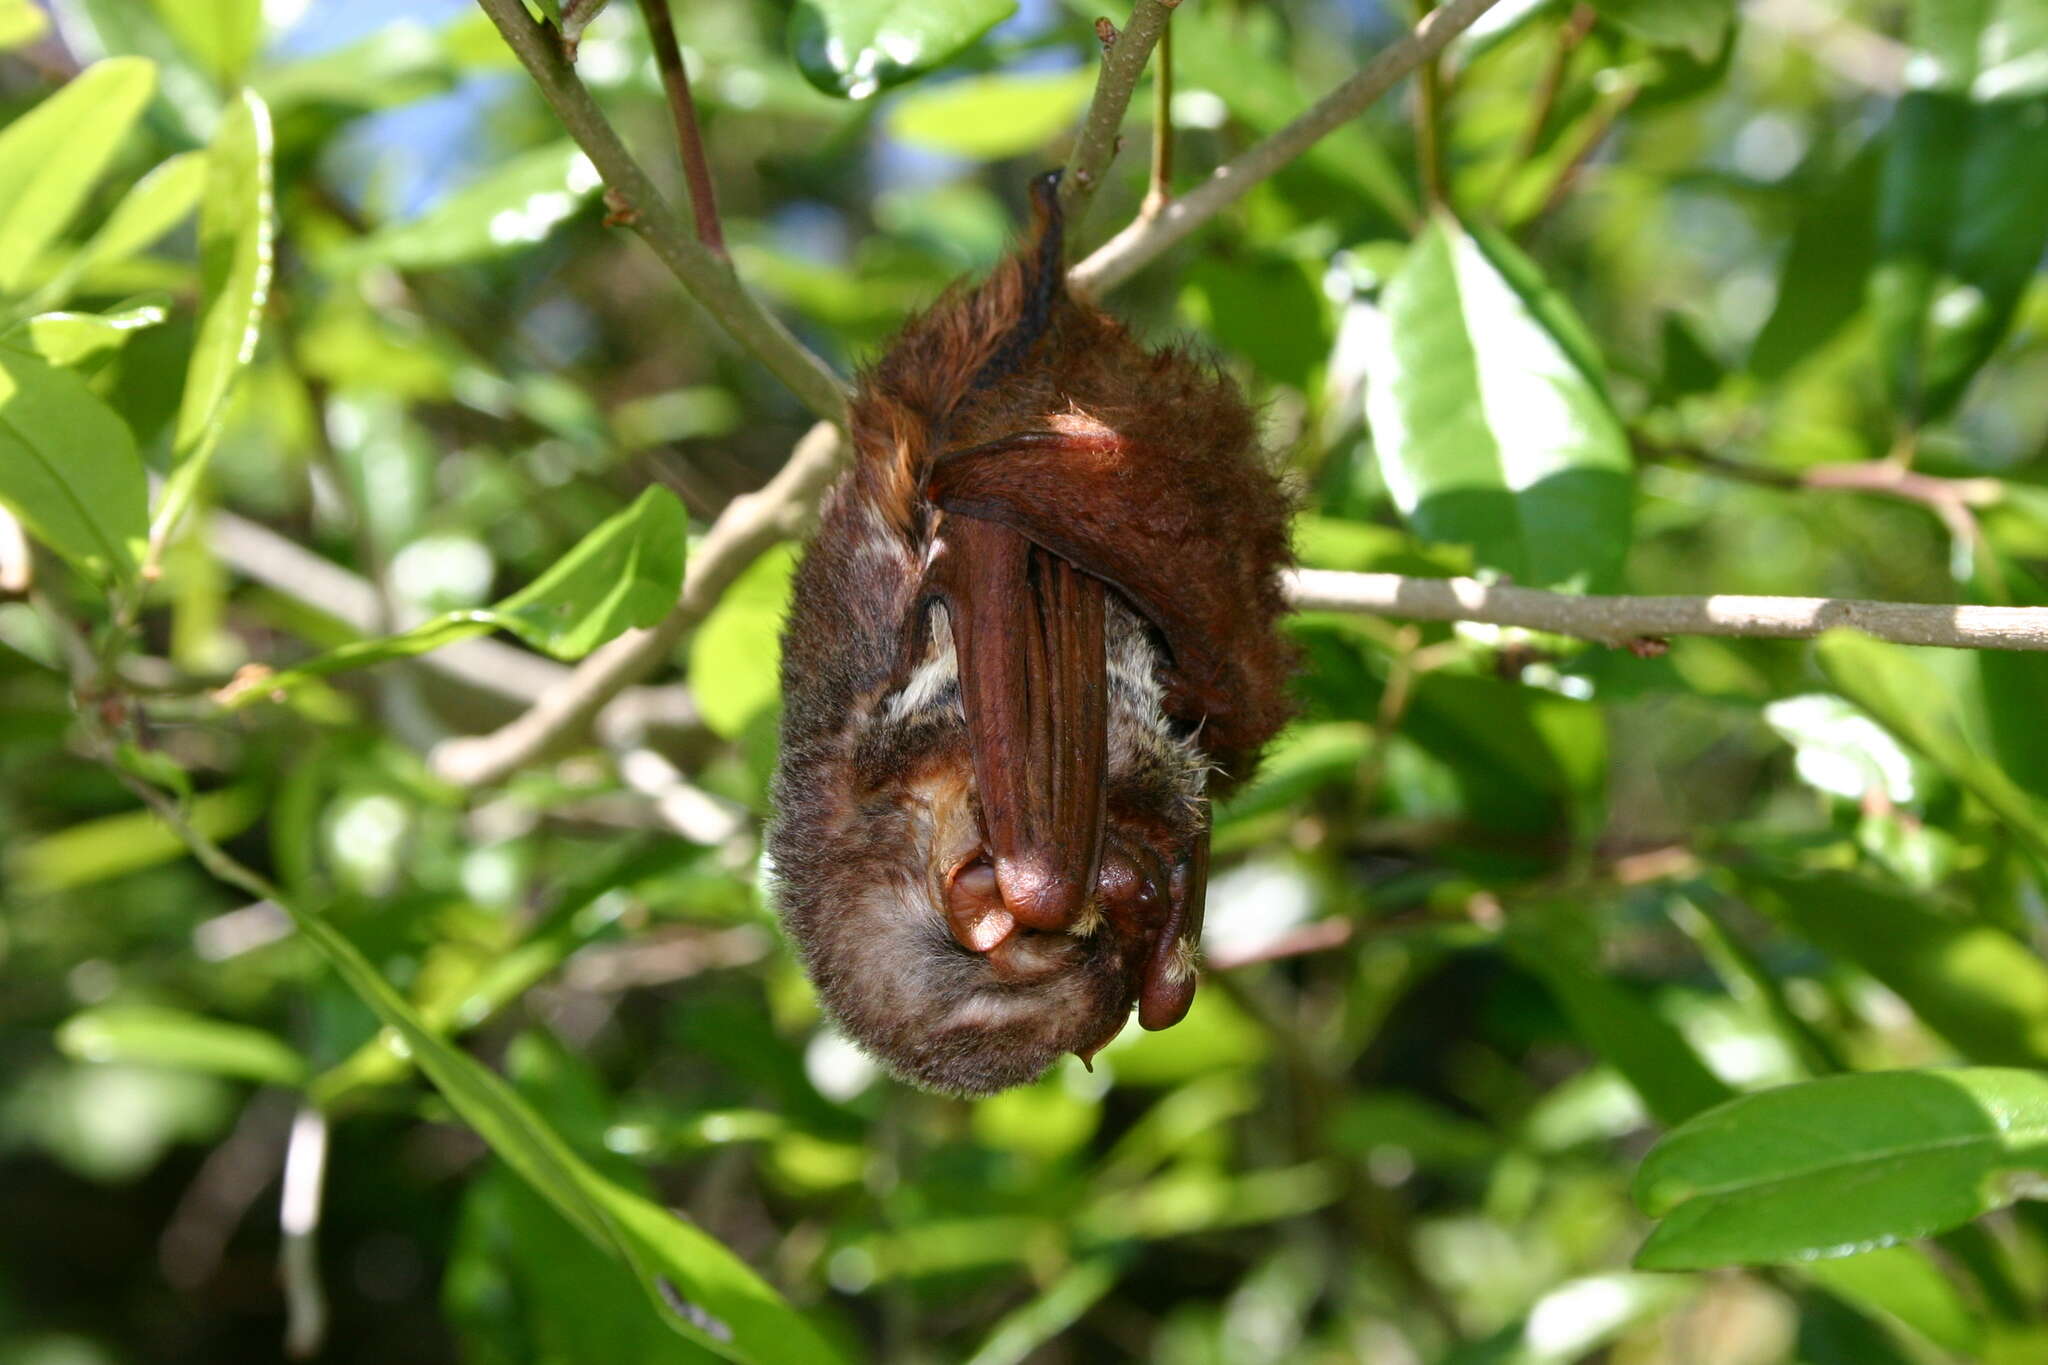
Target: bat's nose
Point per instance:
(1038, 893)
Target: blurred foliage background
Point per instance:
(1500, 910)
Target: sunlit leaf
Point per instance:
(68, 467)
(1842, 1165)
(220, 35)
(1904, 1282)
(731, 1310)
(1490, 429)
(625, 573)
(158, 203)
(154, 1036)
(734, 655)
(857, 47)
(236, 230)
(20, 22)
(514, 207)
(52, 156)
(1963, 207)
(1619, 1024)
(1923, 696)
(68, 338)
(1971, 982)
(116, 845)
(1023, 1330)
(991, 117)
(1822, 281)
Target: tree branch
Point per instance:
(675, 83)
(742, 533)
(1631, 620)
(489, 668)
(1122, 66)
(640, 206)
(1120, 257)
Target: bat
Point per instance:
(1033, 636)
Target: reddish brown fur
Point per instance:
(1145, 471)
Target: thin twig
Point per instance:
(488, 668)
(709, 280)
(1951, 500)
(1598, 125)
(1429, 100)
(298, 1218)
(1625, 621)
(1160, 191)
(1143, 241)
(1570, 34)
(1122, 65)
(675, 82)
(742, 533)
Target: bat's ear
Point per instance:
(1167, 988)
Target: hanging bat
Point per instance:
(1034, 635)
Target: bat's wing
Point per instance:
(1094, 499)
(1028, 635)
(1072, 497)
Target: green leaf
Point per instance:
(854, 48)
(1698, 26)
(1987, 49)
(735, 654)
(1062, 1303)
(1971, 982)
(20, 23)
(220, 35)
(1906, 1284)
(1240, 54)
(1491, 426)
(157, 203)
(236, 231)
(987, 118)
(1921, 696)
(1827, 268)
(68, 467)
(626, 573)
(52, 156)
(519, 1272)
(731, 1310)
(2010, 687)
(515, 206)
(1271, 309)
(153, 1036)
(68, 338)
(1650, 1053)
(1843, 1165)
(115, 845)
(1962, 222)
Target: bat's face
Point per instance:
(953, 980)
